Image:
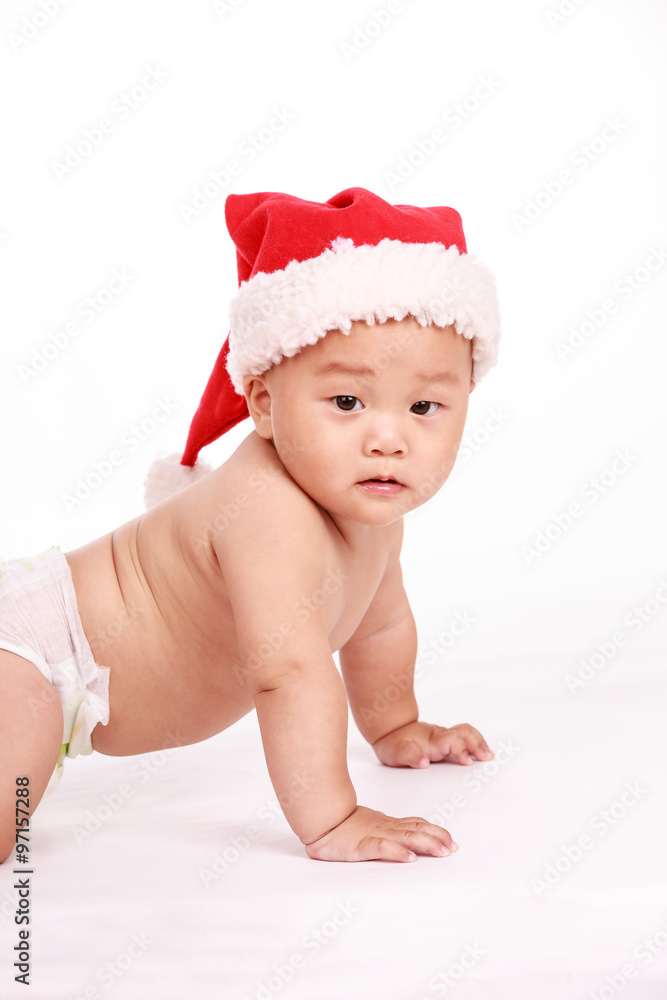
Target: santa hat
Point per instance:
(306, 268)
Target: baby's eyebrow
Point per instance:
(338, 368)
(449, 378)
(367, 371)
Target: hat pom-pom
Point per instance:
(166, 476)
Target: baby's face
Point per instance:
(368, 423)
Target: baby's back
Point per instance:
(155, 611)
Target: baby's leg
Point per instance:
(31, 733)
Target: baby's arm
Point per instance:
(272, 573)
(378, 665)
(298, 693)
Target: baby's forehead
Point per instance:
(371, 350)
(378, 344)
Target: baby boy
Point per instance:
(359, 331)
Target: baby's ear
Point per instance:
(258, 399)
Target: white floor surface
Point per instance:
(172, 875)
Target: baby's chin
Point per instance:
(371, 512)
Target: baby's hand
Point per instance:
(367, 835)
(418, 743)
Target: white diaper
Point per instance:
(39, 620)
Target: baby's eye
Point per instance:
(422, 408)
(347, 403)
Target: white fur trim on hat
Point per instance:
(276, 315)
(167, 476)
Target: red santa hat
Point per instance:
(305, 268)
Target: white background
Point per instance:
(557, 80)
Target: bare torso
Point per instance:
(156, 611)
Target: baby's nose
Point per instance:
(386, 437)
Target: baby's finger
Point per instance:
(384, 849)
(427, 838)
(452, 744)
(405, 752)
(411, 753)
(426, 843)
(475, 742)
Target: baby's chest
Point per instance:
(352, 583)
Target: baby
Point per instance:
(359, 331)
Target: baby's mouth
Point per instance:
(383, 485)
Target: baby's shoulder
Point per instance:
(252, 502)
(263, 487)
